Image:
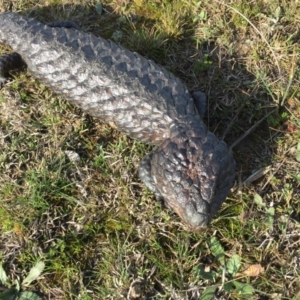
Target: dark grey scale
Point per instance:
(8, 63)
(190, 169)
(200, 102)
(64, 23)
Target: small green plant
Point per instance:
(227, 271)
(147, 41)
(298, 152)
(270, 212)
(14, 291)
(204, 64)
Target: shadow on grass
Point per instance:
(117, 242)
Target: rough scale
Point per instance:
(190, 169)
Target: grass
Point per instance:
(99, 231)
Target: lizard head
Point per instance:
(193, 172)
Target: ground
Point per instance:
(70, 195)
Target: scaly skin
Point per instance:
(190, 169)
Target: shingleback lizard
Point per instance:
(190, 169)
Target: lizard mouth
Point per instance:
(196, 221)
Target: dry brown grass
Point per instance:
(100, 232)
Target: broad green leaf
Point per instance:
(217, 250)
(270, 216)
(34, 273)
(271, 211)
(99, 8)
(29, 296)
(3, 276)
(298, 152)
(244, 288)
(211, 275)
(203, 15)
(233, 264)
(277, 13)
(9, 295)
(259, 201)
(17, 285)
(228, 287)
(209, 293)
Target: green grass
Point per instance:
(98, 229)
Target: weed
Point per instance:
(226, 272)
(148, 42)
(15, 288)
(69, 189)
